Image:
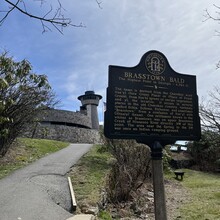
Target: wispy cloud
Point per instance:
(118, 34)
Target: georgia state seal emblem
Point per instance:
(155, 63)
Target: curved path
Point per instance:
(40, 191)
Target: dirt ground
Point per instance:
(141, 205)
(176, 196)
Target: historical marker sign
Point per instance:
(151, 102)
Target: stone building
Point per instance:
(90, 101)
(75, 127)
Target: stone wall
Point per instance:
(62, 125)
(75, 118)
(64, 133)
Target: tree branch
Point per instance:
(210, 114)
(58, 21)
(8, 12)
(99, 4)
(209, 16)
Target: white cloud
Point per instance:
(118, 34)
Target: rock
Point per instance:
(92, 210)
(123, 213)
(150, 199)
(103, 200)
(114, 213)
(150, 194)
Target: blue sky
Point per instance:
(118, 34)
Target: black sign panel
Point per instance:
(151, 102)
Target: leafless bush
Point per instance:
(131, 169)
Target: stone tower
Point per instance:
(90, 101)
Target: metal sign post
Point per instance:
(158, 182)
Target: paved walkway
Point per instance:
(40, 191)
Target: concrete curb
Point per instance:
(82, 217)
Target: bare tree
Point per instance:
(214, 17)
(52, 18)
(210, 111)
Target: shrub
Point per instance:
(206, 152)
(23, 95)
(131, 169)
